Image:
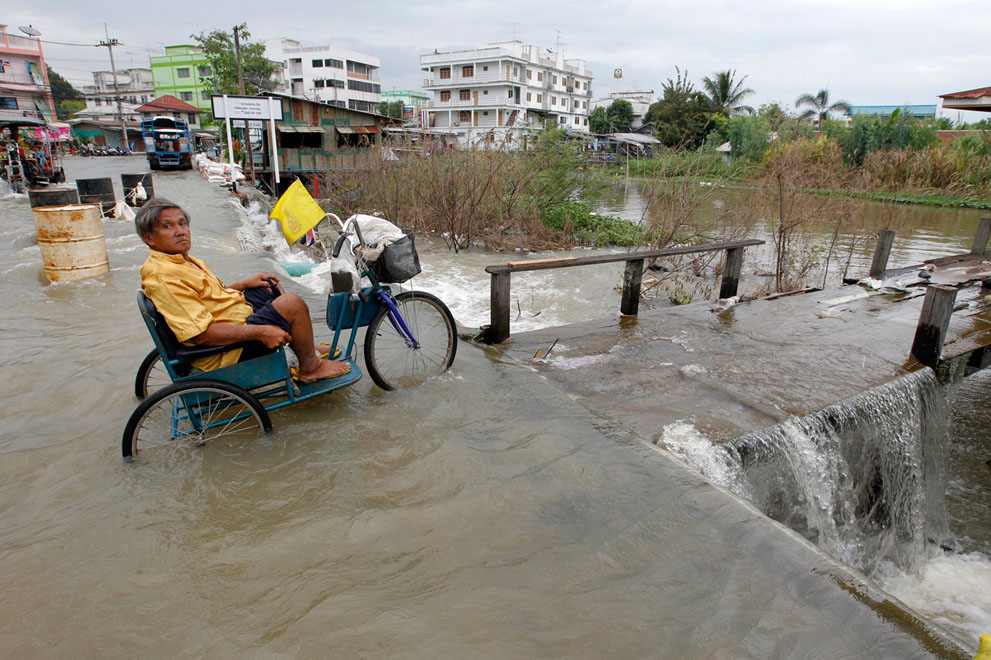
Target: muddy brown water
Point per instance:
(485, 514)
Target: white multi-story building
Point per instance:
(640, 99)
(134, 85)
(337, 76)
(500, 92)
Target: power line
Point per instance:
(64, 43)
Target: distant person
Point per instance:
(201, 310)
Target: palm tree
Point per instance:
(725, 94)
(819, 106)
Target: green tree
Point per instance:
(218, 46)
(392, 109)
(620, 114)
(819, 106)
(598, 121)
(62, 90)
(681, 117)
(725, 94)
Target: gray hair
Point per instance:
(144, 221)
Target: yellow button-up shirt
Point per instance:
(190, 297)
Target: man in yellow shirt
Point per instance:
(201, 310)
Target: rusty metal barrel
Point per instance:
(131, 181)
(71, 241)
(97, 191)
(53, 196)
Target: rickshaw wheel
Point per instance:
(192, 413)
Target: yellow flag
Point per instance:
(297, 212)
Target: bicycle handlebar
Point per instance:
(339, 245)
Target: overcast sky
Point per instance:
(866, 52)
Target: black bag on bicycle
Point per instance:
(398, 261)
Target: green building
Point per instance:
(184, 72)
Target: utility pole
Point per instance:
(240, 87)
(110, 43)
(237, 54)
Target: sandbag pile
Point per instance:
(221, 173)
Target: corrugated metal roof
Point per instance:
(968, 94)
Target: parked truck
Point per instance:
(167, 142)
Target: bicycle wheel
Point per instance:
(392, 360)
(152, 375)
(191, 413)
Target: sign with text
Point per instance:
(239, 123)
(247, 107)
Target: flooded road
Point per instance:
(484, 514)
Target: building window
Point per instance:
(468, 71)
(317, 64)
(318, 83)
(445, 73)
(485, 68)
(8, 102)
(192, 118)
(510, 93)
(576, 121)
(445, 97)
(540, 76)
(586, 121)
(97, 102)
(337, 64)
(540, 98)
(359, 86)
(554, 80)
(186, 96)
(144, 98)
(485, 91)
(563, 119)
(358, 68)
(182, 73)
(528, 97)
(553, 100)
(204, 95)
(363, 106)
(464, 95)
(205, 71)
(465, 116)
(335, 83)
(486, 113)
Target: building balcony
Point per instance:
(15, 42)
(487, 78)
(501, 104)
(23, 80)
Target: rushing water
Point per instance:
(480, 515)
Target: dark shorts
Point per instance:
(260, 299)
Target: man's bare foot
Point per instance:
(324, 369)
(322, 349)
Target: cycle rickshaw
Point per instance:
(409, 337)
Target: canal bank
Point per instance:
(484, 514)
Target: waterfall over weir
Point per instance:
(862, 479)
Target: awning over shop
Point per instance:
(358, 129)
(287, 128)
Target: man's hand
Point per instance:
(271, 335)
(255, 281)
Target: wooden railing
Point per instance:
(499, 303)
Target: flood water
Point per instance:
(484, 514)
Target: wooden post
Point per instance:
(731, 273)
(632, 278)
(499, 309)
(881, 253)
(981, 237)
(933, 322)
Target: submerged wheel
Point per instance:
(152, 375)
(393, 361)
(192, 413)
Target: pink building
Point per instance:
(24, 88)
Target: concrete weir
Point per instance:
(734, 370)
